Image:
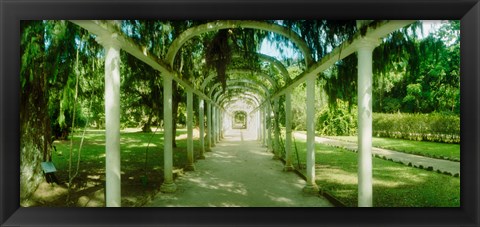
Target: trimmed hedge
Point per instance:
(433, 127)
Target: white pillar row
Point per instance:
(260, 113)
(288, 132)
(190, 166)
(265, 125)
(311, 186)
(269, 128)
(219, 124)
(224, 117)
(259, 125)
(112, 121)
(276, 130)
(168, 185)
(218, 116)
(364, 52)
(201, 122)
(209, 125)
(213, 126)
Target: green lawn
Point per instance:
(133, 148)
(394, 185)
(429, 149)
(141, 169)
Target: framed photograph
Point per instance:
(246, 118)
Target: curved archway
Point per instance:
(262, 90)
(245, 71)
(241, 88)
(217, 25)
(224, 98)
(239, 120)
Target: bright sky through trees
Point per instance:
(270, 49)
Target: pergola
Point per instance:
(257, 94)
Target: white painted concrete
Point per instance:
(168, 185)
(288, 132)
(112, 122)
(190, 160)
(311, 186)
(201, 122)
(209, 125)
(365, 50)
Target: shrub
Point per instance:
(433, 127)
(339, 121)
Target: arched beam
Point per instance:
(225, 100)
(266, 58)
(221, 96)
(217, 25)
(243, 83)
(239, 95)
(271, 80)
(277, 64)
(240, 90)
(232, 106)
(261, 74)
(262, 57)
(233, 82)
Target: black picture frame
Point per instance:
(11, 12)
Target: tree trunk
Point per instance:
(147, 127)
(35, 128)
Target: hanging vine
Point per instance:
(218, 55)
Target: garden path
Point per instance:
(239, 172)
(416, 160)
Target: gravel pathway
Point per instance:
(416, 160)
(238, 173)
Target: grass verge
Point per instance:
(429, 149)
(394, 184)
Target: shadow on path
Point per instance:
(238, 173)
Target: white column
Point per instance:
(190, 165)
(269, 128)
(262, 125)
(259, 125)
(214, 126)
(218, 116)
(311, 186)
(264, 128)
(112, 122)
(217, 124)
(364, 51)
(288, 132)
(168, 185)
(201, 122)
(276, 130)
(221, 124)
(209, 125)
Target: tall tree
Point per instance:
(34, 119)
